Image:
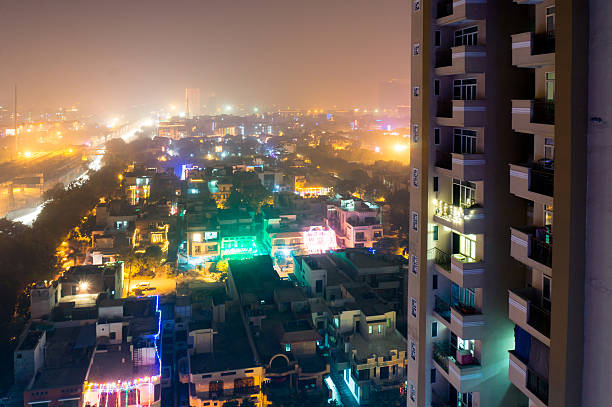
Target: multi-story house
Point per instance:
(357, 223)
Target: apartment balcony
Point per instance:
(524, 311)
(465, 220)
(533, 182)
(527, 381)
(464, 321)
(467, 322)
(530, 50)
(461, 270)
(466, 167)
(533, 116)
(462, 113)
(453, 12)
(465, 377)
(532, 246)
(461, 60)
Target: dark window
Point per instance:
(436, 136)
(435, 232)
(464, 141)
(466, 36)
(434, 329)
(464, 89)
(319, 286)
(228, 374)
(437, 38)
(113, 335)
(435, 282)
(384, 372)
(436, 87)
(432, 376)
(435, 184)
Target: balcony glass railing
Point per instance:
(444, 160)
(539, 319)
(543, 112)
(538, 385)
(542, 180)
(444, 109)
(442, 259)
(450, 212)
(442, 308)
(444, 58)
(441, 354)
(445, 8)
(543, 43)
(540, 246)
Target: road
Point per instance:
(28, 215)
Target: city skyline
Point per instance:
(124, 55)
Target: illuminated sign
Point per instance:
(318, 239)
(210, 236)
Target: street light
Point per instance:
(83, 285)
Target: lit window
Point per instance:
(287, 347)
(370, 329)
(196, 237)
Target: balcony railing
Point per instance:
(539, 318)
(441, 354)
(442, 259)
(442, 308)
(451, 212)
(538, 385)
(444, 58)
(542, 180)
(444, 160)
(541, 249)
(444, 109)
(445, 8)
(543, 112)
(543, 43)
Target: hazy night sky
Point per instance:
(114, 53)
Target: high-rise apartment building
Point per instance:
(496, 288)
(192, 102)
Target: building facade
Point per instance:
(497, 101)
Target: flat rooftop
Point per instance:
(68, 353)
(255, 277)
(366, 300)
(115, 363)
(231, 349)
(379, 346)
(31, 340)
(361, 259)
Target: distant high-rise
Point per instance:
(192, 102)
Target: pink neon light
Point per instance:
(318, 239)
